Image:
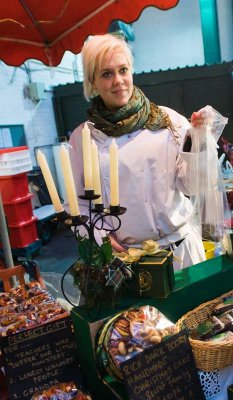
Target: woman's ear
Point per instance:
(95, 92)
(93, 84)
(93, 87)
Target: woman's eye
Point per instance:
(106, 74)
(124, 70)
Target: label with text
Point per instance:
(166, 371)
(39, 358)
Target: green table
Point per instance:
(193, 286)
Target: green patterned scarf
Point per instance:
(138, 113)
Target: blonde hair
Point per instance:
(93, 52)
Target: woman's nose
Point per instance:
(117, 79)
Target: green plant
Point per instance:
(92, 254)
(89, 271)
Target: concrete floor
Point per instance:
(59, 253)
(54, 259)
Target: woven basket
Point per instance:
(105, 361)
(208, 355)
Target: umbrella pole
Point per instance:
(5, 237)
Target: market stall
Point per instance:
(142, 282)
(121, 357)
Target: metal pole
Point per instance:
(5, 237)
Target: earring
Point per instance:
(95, 92)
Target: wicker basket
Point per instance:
(208, 355)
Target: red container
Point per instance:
(9, 150)
(23, 234)
(14, 186)
(18, 210)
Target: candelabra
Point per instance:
(97, 273)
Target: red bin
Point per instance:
(18, 210)
(13, 187)
(23, 234)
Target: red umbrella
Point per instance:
(44, 30)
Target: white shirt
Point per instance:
(153, 181)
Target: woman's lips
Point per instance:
(119, 92)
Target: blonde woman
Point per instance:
(153, 174)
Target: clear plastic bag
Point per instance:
(212, 214)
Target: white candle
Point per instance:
(114, 179)
(87, 163)
(96, 172)
(49, 181)
(69, 181)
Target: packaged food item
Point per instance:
(11, 318)
(27, 306)
(227, 320)
(17, 325)
(61, 391)
(222, 337)
(34, 289)
(6, 300)
(129, 333)
(220, 321)
(45, 296)
(225, 305)
(49, 313)
(7, 310)
(19, 293)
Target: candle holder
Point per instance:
(98, 208)
(115, 210)
(97, 273)
(89, 194)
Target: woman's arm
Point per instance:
(115, 245)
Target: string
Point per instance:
(57, 18)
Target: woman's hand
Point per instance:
(115, 245)
(200, 120)
(202, 117)
(197, 119)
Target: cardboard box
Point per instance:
(155, 275)
(87, 324)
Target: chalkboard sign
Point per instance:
(40, 357)
(165, 371)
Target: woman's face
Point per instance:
(114, 81)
